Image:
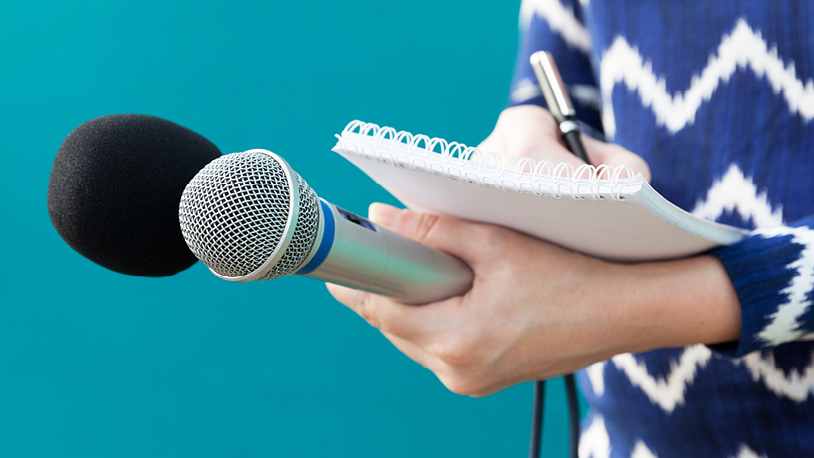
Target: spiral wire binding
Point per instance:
(233, 215)
(407, 150)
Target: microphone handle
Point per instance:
(356, 252)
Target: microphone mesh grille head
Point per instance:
(233, 216)
(305, 234)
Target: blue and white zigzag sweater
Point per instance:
(718, 98)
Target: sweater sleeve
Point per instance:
(556, 26)
(773, 274)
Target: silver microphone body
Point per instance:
(249, 216)
(366, 256)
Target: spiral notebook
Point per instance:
(601, 211)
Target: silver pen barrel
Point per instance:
(559, 103)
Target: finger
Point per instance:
(615, 155)
(536, 135)
(406, 321)
(492, 144)
(359, 301)
(546, 150)
(466, 240)
(413, 351)
(454, 380)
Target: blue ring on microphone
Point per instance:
(327, 241)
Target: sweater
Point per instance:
(718, 98)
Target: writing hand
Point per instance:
(530, 131)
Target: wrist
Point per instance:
(678, 303)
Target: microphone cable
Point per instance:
(538, 415)
(573, 415)
(538, 406)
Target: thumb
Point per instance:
(615, 155)
(445, 233)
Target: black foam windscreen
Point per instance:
(115, 187)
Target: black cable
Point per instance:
(537, 419)
(573, 414)
(538, 412)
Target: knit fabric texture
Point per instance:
(718, 98)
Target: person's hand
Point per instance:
(537, 311)
(531, 131)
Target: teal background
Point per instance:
(98, 364)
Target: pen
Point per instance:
(559, 104)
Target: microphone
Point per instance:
(250, 216)
(114, 189)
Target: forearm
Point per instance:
(677, 303)
(601, 309)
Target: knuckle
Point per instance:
(457, 352)
(491, 237)
(465, 386)
(533, 147)
(367, 311)
(526, 150)
(425, 225)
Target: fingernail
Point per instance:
(383, 214)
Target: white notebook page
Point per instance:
(622, 219)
